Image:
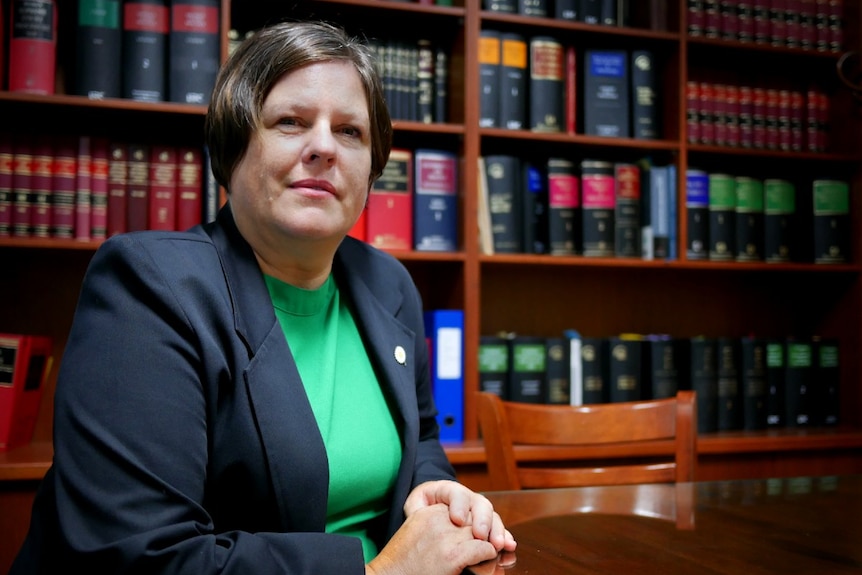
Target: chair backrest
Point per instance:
(651, 441)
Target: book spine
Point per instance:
(42, 186)
(662, 366)
(606, 93)
(692, 111)
(513, 81)
(574, 369)
(594, 356)
(189, 187)
(444, 330)
(590, 11)
(730, 398)
(489, 78)
(746, 117)
(608, 15)
(193, 50)
(624, 368)
(697, 214)
(775, 382)
(704, 382)
(566, 9)
(63, 182)
(644, 92)
(137, 188)
(754, 382)
(527, 369)
(831, 209)
(22, 187)
(731, 115)
(696, 18)
(534, 209)
(162, 193)
(557, 386)
(33, 46)
(798, 384)
(441, 84)
(145, 42)
(504, 202)
(425, 81)
(99, 49)
(627, 217)
(659, 206)
(779, 220)
(99, 189)
(722, 206)
(494, 365)
(83, 188)
(598, 205)
(435, 216)
(571, 89)
(505, 6)
(6, 159)
(760, 16)
(828, 380)
(547, 85)
(749, 219)
(118, 179)
(390, 204)
(564, 208)
(535, 8)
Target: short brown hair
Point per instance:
(245, 80)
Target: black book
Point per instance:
(489, 79)
(513, 81)
(504, 202)
(425, 81)
(494, 364)
(145, 50)
(194, 55)
(597, 207)
(779, 211)
(99, 50)
(624, 368)
(547, 85)
(775, 376)
(441, 84)
(798, 391)
(754, 382)
(594, 370)
(722, 217)
(536, 8)
(644, 94)
(608, 13)
(749, 219)
(697, 210)
(828, 380)
(557, 390)
(831, 221)
(590, 11)
(535, 208)
(663, 366)
(729, 403)
(704, 381)
(527, 368)
(627, 210)
(507, 6)
(606, 108)
(566, 9)
(564, 209)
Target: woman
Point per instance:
(253, 396)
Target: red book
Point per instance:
(706, 113)
(190, 181)
(41, 182)
(692, 111)
(360, 228)
(163, 188)
(83, 188)
(5, 183)
(25, 362)
(64, 182)
(2, 47)
(390, 204)
(571, 95)
(719, 113)
(99, 188)
(118, 176)
(137, 188)
(731, 107)
(32, 46)
(758, 113)
(22, 177)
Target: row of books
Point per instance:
(90, 188)
(602, 12)
(740, 382)
(166, 50)
(745, 219)
(804, 24)
(25, 363)
(414, 203)
(536, 83)
(757, 117)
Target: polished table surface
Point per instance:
(810, 525)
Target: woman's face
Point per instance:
(305, 173)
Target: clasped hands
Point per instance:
(448, 529)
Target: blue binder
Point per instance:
(444, 329)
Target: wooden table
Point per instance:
(798, 525)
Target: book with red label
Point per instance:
(25, 362)
(99, 166)
(42, 186)
(627, 210)
(598, 203)
(6, 154)
(99, 49)
(145, 50)
(435, 201)
(564, 208)
(194, 54)
(390, 204)
(22, 178)
(163, 188)
(118, 180)
(189, 187)
(63, 184)
(547, 85)
(33, 46)
(137, 187)
(83, 188)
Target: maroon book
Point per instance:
(138, 189)
(32, 46)
(22, 176)
(83, 188)
(41, 185)
(65, 169)
(163, 188)
(118, 179)
(189, 187)
(99, 167)
(5, 183)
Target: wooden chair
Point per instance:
(532, 446)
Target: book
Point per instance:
(22, 186)
(146, 27)
(435, 201)
(798, 382)
(535, 8)
(598, 203)
(571, 89)
(489, 78)
(565, 220)
(389, 219)
(194, 52)
(25, 363)
(189, 187)
(41, 185)
(483, 210)
(32, 48)
(644, 94)
(118, 175)
(673, 213)
(441, 84)
(494, 364)
(660, 200)
(63, 184)
(99, 169)
(606, 93)
(98, 53)
(831, 209)
(827, 374)
(703, 352)
(575, 373)
(527, 368)
(754, 382)
(594, 365)
(608, 12)
(664, 366)
(722, 218)
(590, 11)
(728, 372)
(138, 187)
(779, 209)
(507, 6)
(547, 85)
(6, 157)
(625, 368)
(513, 81)
(775, 377)
(627, 210)
(557, 365)
(425, 81)
(749, 219)
(162, 192)
(444, 330)
(84, 188)
(534, 208)
(566, 9)
(504, 179)
(697, 214)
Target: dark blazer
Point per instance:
(184, 441)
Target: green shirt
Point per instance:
(352, 411)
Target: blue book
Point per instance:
(672, 203)
(606, 106)
(444, 330)
(435, 201)
(659, 211)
